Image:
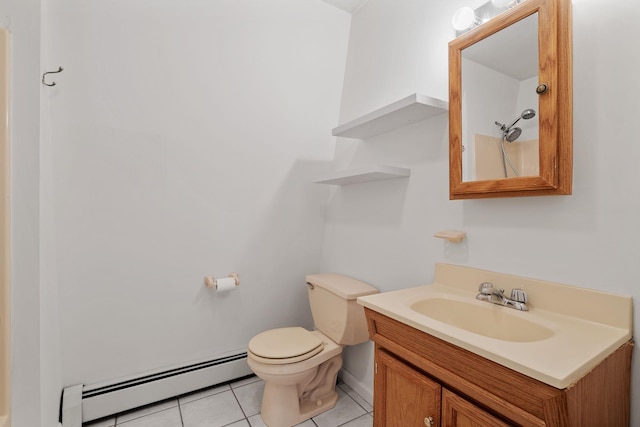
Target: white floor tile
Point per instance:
(248, 380)
(146, 410)
(363, 421)
(212, 411)
(345, 410)
(250, 397)
(218, 407)
(256, 421)
(190, 397)
(167, 418)
(355, 396)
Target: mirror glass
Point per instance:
(500, 139)
(510, 104)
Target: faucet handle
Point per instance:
(485, 288)
(519, 295)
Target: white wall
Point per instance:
(23, 20)
(494, 96)
(36, 372)
(51, 357)
(382, 232)
(186, 136)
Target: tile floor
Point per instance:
(235, 405)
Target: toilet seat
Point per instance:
(285, 345)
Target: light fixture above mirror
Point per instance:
(467, 18)
(505, 3)
(464, 19)
(510, 104)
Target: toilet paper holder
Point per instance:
(212, 282)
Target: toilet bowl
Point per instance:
(296, 390)
(300, 367)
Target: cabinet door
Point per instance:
(403, 397)
(457, 412)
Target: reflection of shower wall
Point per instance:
(487, 96)
(490, 96)
(487, 160)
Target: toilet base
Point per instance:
(311, 409)
(295, 397)
(279, 416)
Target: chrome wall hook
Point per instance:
(60, 69)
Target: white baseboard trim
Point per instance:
(363, 390)
(72, 406)
(98, 402)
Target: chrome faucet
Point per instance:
(517, 301)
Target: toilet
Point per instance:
(300, 367)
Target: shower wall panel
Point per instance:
(5, 233)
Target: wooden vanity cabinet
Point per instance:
(406, 397)
(458, 412)
(421, 380)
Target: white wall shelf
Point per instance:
(411, 109)
(364, 174)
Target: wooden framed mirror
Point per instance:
(510, 104)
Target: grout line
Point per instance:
(180, 412)
(245, 381)
(352, 398)
(150, 405)
(241, 408)
(237, 421)
(246, 418)
(203, 397)
(347, 422)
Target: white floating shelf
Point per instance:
(364, 174)
(411, 109)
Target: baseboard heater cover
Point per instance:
(103, 401)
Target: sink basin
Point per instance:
(566, 333)
(489, 320)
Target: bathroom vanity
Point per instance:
(428, 372)
(422, 379)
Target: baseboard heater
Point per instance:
(101, 400)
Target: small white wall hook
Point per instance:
(60, 69)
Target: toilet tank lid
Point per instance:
(344, 286)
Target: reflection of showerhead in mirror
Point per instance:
(509, 132)
(529, 113)
(512, 134)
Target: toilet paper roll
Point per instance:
(225, 284)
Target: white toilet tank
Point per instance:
(334, 308)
